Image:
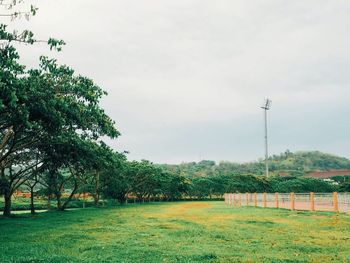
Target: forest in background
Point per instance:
(295, 164)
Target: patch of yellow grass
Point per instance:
(193, 212)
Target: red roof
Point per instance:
(328, 174)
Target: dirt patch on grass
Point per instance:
(179, 210)
(193, 212)
(196, 205)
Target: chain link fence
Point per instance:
(336, 202)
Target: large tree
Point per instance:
(41, 109)
(19, 129)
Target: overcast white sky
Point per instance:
(186, 78)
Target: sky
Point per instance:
(186, 78)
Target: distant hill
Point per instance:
(293, 164)
(304, 162)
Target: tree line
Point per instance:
(294, 164)
(51, 130)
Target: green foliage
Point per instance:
(141, 179)
(203, 187)
(173, 186)
(304, 162)
(48, 112)
(114, 178)
(247, 183)
(22, 36)
(345, 187)
(144, 178)
(207, 178)
(296, 164)
(300, 185)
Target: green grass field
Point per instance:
(176, 232)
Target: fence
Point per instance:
(336, 202)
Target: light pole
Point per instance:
(266, 107)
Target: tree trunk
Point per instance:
(7, 207)
(122, 198)
(58, 198)
(97, 189)
(139, 198)
(96, 197)
(32, 208)
(63, 207)
(84, 199)
(49, 202)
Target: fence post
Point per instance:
(231, 199)
(240, 199)
(335, 202)
(277, 201)
(292, 201)
(255, 201)
(247, 199)
(312, 201)
(234, 199)
(264, 199)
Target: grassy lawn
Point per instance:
(176, 232)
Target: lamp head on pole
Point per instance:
(267, 104)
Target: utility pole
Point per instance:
(266, 107)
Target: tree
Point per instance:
(53, 110)
(18, 132)
(200, 187)
(72, 163)
(114, 179)
(345, 187)
(300, 185)
(144, 179)
(247, 183)
(173, 186)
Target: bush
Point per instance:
(247, 183)
(299, 185)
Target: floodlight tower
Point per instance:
(266, 107)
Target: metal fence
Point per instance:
(336, 202)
